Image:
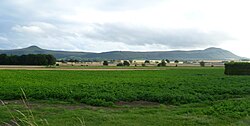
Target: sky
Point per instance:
(126, 25)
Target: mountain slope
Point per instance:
(37, 50)
(207, 54)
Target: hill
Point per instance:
(207, 54)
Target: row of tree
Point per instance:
(162, 63)
(127, 63)
(166, 61)
(31, 59)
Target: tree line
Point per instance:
(30, 59)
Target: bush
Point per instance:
(120, 64)
(168, 61)
(163, 63)
(105, 63)
(147, 61)
(237, 68)
(126, 63)
(202, 64)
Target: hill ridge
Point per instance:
(211, 53)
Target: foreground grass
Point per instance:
(225, 112)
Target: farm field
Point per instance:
(170, 96)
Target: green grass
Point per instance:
(225, 112)
(189, 96)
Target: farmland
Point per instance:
(177, 96)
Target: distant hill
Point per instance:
(207, 54)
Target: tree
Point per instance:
(105, 63)
(31, 59)
(163, 63)
(112, 61)
(63, 61)
(126, 63)
(51, 59)
(3, 58)
(147, 61)
(71, 60)
(130, 61)
(143, 64)
(120, 64)
(202, 64)
(168, 61)
(176, 61)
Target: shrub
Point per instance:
(202, 64)
(163, 63)
(120, 64)
(105, 63)
(168, 61)
(237, 68)
(147, 61)
(126, 63)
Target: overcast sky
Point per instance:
(132, 25)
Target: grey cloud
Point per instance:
(3, 38)
(60, 37)
(120, 5)
(43, 34)
(36, 8)
(49, 31)
(4, 42)
(173, 38)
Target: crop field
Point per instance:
(172, 96)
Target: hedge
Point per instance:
(237, 68)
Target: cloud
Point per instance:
(30, 29)
(101, 25)
(45, 35)
(172, 38)
(35, 27)
(94, 4)
(4, 42)
(123, 5)
(119, 36)
(3, 38)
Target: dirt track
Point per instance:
(9, 67)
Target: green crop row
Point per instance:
(105, 88)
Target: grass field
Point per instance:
(174, 96)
